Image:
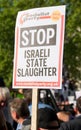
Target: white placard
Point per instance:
(39, 41)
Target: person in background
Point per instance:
(28, 96)
(4, 99)
(74, 124)
(46, 120)
(19, 112)
(68, 113)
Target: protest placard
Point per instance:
(39, 41)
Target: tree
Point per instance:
(8, 13)
(72, 53)
(7, 27)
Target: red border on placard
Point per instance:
(40, 84)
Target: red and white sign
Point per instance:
(39, 41)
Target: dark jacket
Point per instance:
(74, 124)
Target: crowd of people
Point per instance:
(16, 113)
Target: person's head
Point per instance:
(78, 104)
(47, 119)
(4, 96)
(19, 109)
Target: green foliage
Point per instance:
(7, 27)
(72, 53)
(72, 47)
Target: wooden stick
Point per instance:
(34, 109)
